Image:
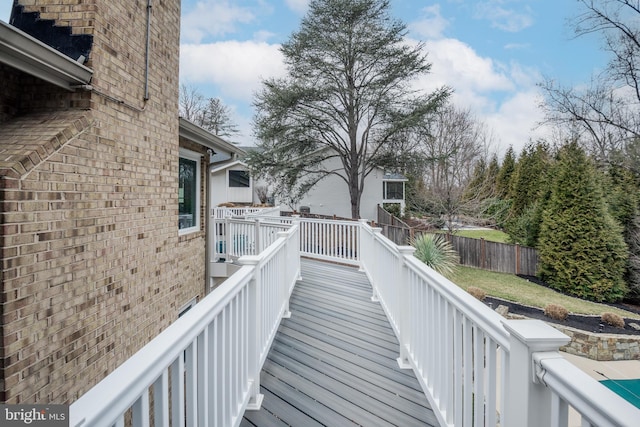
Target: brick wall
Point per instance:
(93, 266)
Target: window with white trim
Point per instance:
(239, 178)
(393, 190)
(188, 192)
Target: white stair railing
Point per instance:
(204, 369)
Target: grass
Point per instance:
(489, 235)
(521, 291)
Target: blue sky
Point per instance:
(491, 52)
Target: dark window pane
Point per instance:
(394, 191)
(239, 179)
(187, 193)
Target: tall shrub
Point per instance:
(582, 251)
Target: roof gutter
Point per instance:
(205, 138)
(29, 55)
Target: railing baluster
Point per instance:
(203, 377)
(177, 391)
(491, 390)
(478, 377)
(140, 411)
(161, 400)
(191, 384)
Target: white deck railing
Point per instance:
(475, 367)
(238, 235)
(204, 369)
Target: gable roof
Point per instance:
(228, 165)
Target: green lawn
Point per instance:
(516, 289)
(489, 235)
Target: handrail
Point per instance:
(216, 349)
(571, 387)
(110, 398)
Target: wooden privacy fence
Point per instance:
(493, 256)
(478, 253)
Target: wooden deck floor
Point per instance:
(333, 363)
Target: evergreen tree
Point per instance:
(508, 167)
(530, 177)
(623, 199)
(529, 185)
(582, 252)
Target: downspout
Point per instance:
(146, 55)
(207, 232)
(210, 226)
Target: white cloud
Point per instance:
(298, 6)
(456, 64)
(213, 18)
(506, 19)
(516, 121)
(503, 96)
(236, 68)
(431, 25)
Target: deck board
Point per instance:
(333, 362)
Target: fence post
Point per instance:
(517, 258)
(404, 297)
(528, 401)
(254, 321)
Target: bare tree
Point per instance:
(191, 103)
(208, 113)
(452, 144)
(605, 115)
(216, 118)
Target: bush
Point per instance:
(556, 312)
(612, 319)
(477, 293)
(393, 209)
(436, 251)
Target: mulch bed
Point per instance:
(584, 323)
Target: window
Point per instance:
(239, 179)
(393, 190)
(189, 192)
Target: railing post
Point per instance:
(404, 319)
(284, 282)
(227, 236)
(256, 240)
(295, 220)
(528, 402)
(361, 244)
(255, 317)
(374, 274)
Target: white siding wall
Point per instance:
(222, 193)
(331, 197)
